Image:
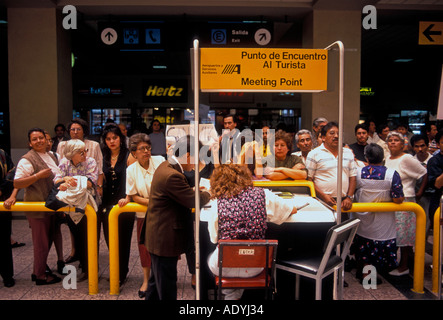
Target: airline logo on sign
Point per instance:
(266, 69)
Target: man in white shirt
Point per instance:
(322, 164)
(420, 146)
(383, 131)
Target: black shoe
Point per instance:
(17, 244)
(47, 272)
(52, 280)
(60, 267)
(142, 294)
(9, 282)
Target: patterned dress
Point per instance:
(243, 217)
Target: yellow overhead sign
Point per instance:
(430, 33)
(263, 69)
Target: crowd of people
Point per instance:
(382, 164)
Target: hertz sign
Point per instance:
(263, 69)
(167, 91)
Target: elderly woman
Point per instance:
(35, 173)
(76, 163)
(286, 166)
(410, 170)
(375, 242)
(79, 129)
(138, 184)
(241, 211)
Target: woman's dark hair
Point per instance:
(286, 137)
(374, 153)
(115, 129)
(83, 124)
(34, 130)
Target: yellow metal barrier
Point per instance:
(420, 233)
(114, 267)
(436, 251)
(356, 207)
(286, 183)
(92, 235)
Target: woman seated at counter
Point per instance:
(240, 211)
(286, 166)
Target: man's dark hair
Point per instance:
(417, 137)
(361, 126)
(186, 143)
(381, 126)
(234, 117)
(327, 127)
(59, 125)
(438, 136)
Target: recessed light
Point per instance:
(403, 60)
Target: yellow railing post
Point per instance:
(420, 233)
(436, 251)
(114, 268)
(286, 183)
(92, 235)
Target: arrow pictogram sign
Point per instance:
(430, 33)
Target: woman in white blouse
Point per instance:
(410, 170)
(138, 184)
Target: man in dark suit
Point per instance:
(169, 220)
(60, 135)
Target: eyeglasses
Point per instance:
(144, 149)
(82, 153)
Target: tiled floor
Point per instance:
(396, 289)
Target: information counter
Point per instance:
(302, 234)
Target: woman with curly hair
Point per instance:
(241, 212)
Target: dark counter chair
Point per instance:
(319, 266)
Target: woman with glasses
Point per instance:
(138, 185)
(115, 162)
(79, 129)
(76, 162)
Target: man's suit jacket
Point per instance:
(169, 219)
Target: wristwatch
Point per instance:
(350, 197)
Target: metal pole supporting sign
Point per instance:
(196, 162)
